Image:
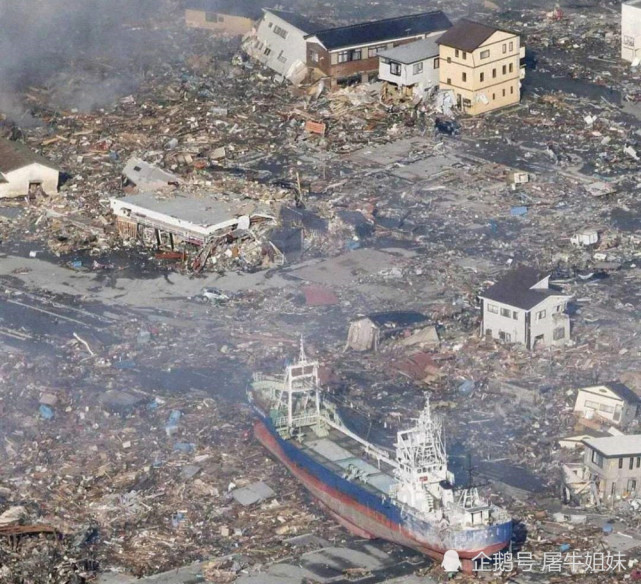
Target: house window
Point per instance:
(511, 90)
(504, 48)
(540, 315)
(511, 46)
(267, 51)
(282, 58)
(558, 333)
(464, 55)
(628, 41)
(511, 67)
(506, 312)
(505, 337)
(270, 24)
(484, 54)
(436, 63)
(632, 485)
(373, 51)
(515, 315)
(482, 77)
(631, 463)
(504, 69)
(620, 463)
(281, 32)
(314, 57)
(638, 461)
(504, 93)
(347, 56)
(449, 81)
(418, 68)
(597, 459)
(464, 76)
(395, 68)
(493, 73)
(456, 53)
(493, 96)
(449, 59)
(493, 308)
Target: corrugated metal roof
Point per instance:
(412, 52)
(381, 30)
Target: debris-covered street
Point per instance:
(179, 207)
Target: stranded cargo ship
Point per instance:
(406, 496)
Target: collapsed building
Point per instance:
(205, 228)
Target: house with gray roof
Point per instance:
(523, 308)
(409, 69)
(23, 172)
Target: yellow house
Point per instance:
(482, 65)
(234, 18)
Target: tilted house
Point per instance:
(481, 65)
(613, 402)
(349, 54)
(23, 172)
(234, 18)
(279, 43)
(522, 308)
(631, 31)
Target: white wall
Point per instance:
(497, 323)
(630, 31)
(18, 185)
(516, 327)
(427, 78)
(293, 48)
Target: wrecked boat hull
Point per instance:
(371, 516)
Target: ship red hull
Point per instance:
(358, 518)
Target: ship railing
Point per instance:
(304, 420)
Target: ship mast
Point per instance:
(422, 463)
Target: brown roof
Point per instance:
(467, 35)
(15, 155)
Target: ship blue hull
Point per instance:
(371, 515)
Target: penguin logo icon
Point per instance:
(451, 562)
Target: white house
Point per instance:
(279, 43)
(410, 68)
(613, 401)
(23, 172)
(631, 31)
(522, 308)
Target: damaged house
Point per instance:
(25, 173)
(205, 226)
(522, 308)
(410, 69)
(234, 18)
(631, 31)
(350, 54)
(614, 466)
(367, 333)
(279, 43)
(481, 65)
(611, 402)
